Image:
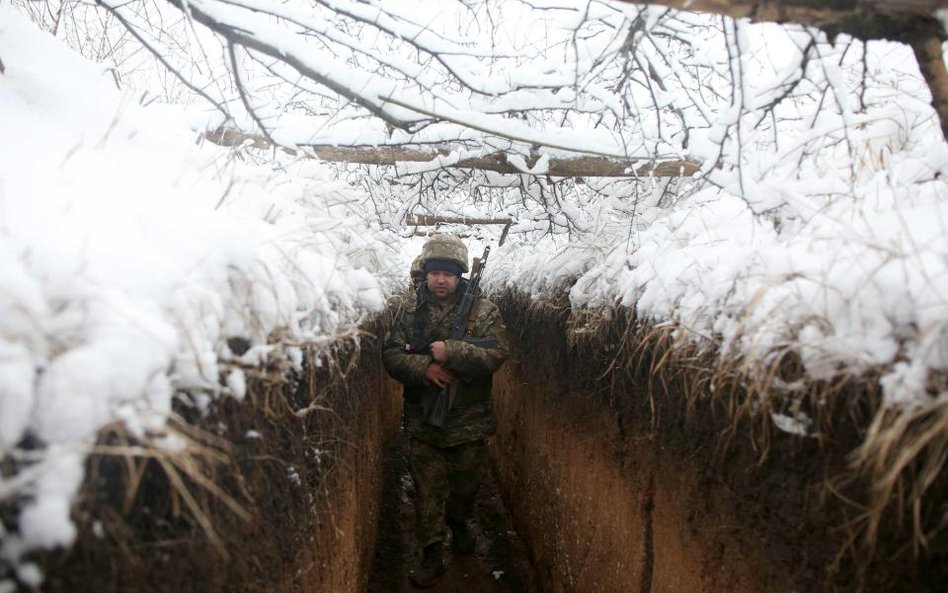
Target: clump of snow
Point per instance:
(130, 254)
(798, 424)
(237, 383)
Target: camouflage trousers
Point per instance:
(446, 482)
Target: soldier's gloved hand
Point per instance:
(437, 375)
(439, 350)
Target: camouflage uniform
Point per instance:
(447, 464)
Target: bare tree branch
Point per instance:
(238, 36)
(910, 21)
(232, 54)
(161, 58)
(817, 13)
(927, 43)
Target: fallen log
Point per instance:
(581, 166)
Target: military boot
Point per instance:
(463, 542)
(428, 566)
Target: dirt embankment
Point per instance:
(605, 514)
(616, 486)
(302, 462)
(615, 480)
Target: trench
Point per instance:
(601, 482)
(571, 507)
(613, 481)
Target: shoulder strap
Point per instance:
(421, 315)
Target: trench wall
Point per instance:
(608, 513)
(619, 483)
(308, 481)
(613, 483)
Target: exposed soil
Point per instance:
(500, 564)
(619, 483)
(601, 514)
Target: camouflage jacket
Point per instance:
(472, 415)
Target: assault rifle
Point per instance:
(437, 411)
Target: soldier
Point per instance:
(447, 464)
(417, 274)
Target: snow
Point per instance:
(131, 253)
(798, 424)
(854, 287)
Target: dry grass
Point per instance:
(197, 467)
(904, 454)
(193, 462)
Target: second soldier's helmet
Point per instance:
(445, 247)
(416, 269)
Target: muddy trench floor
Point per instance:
(500, 564)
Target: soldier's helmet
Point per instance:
(446, 248)
(416, 270)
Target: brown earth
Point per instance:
(618, 482)
(602, 514)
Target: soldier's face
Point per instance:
(442, 284)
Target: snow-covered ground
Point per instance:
(130, 252)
